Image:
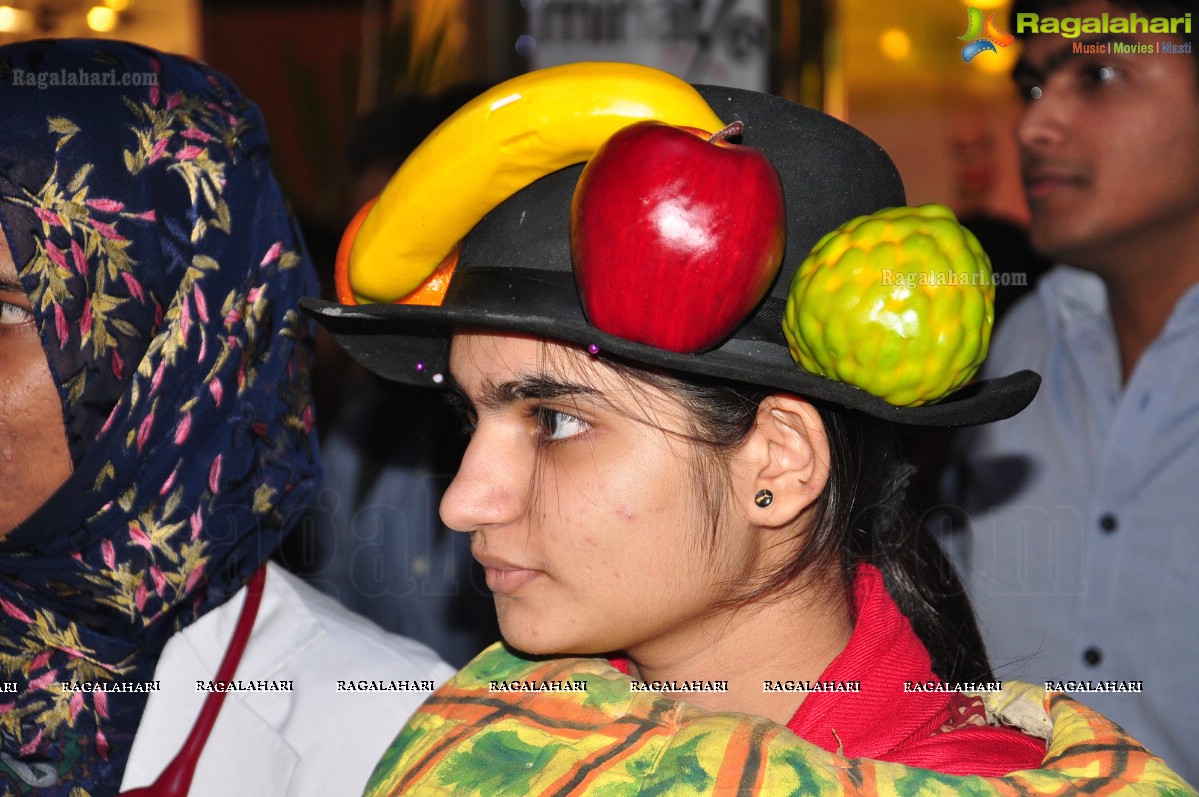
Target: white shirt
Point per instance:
(1081, 554)
(312, 740)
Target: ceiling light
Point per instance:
(101, 19)
(895, 44)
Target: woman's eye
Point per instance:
(11, 314)
(557, 425)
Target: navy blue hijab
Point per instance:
(164, 272)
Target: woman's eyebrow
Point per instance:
(11, 286)
(535, 386)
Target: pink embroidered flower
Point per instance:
(14, 611)
(135, 287)
(272, 254)
(214, 475)
(31, 746)
(190, 152)
(196, 134)
(107, 231)
(143, 431)
(105, 205)
(160, 581)
(73, 706)
(181, 431)
(57, 256)
(60, 327)
(101, 701)
(169, 483)
(48, 216)
(156, 380)
(108, 553)
(47, 677)
(201, 303)
(79, 258)
(112, 416)
(159, 148)
(140, 537)
(193, 578)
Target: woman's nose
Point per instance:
(492, 485)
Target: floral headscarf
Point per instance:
(164, 271)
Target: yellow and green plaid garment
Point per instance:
(471, 740)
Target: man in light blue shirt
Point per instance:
(1079, 541)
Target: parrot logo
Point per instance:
(982, 36)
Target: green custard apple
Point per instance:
(899, 303)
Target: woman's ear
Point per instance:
(786, 459)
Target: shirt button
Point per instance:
(1108, 523)
(1092, 656)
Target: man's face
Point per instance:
(34, 460)
(1109, 142)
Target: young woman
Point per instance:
(155, 446)
(702, 569)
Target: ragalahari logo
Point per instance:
(981, 36)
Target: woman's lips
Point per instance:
(505, 580)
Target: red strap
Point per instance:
(176, 779)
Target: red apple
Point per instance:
(675, 234)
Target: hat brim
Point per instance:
(411, 345)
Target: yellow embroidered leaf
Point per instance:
(63, 127)
(264, 498)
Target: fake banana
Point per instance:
(498, 143)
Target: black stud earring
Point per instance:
(764, 498)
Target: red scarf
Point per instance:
(943, 731)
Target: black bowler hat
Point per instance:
(515, 274)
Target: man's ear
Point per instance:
(785, 461)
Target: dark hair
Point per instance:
(861, 516)
(1156, 8)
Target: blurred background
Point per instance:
(893, 69)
